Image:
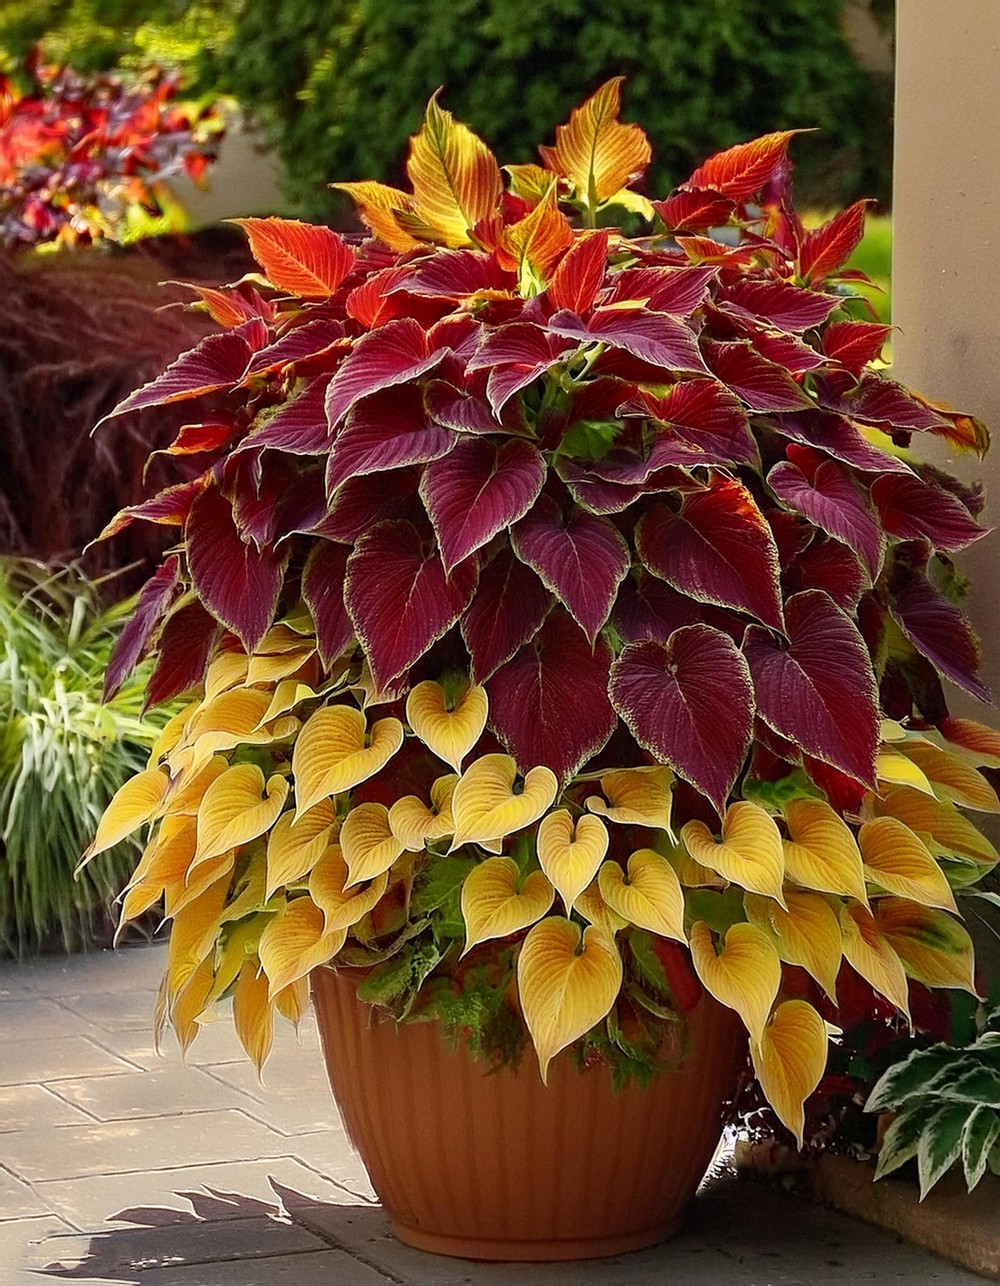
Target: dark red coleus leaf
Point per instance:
(298, 426)
(855, 343)
(938, 630)
(838, 437)
(657, 338)
(828, 565)
(186, 642)
(779, 303)
(515, 356)
(463, 412)
(300, 344)
(828, 248)
(718, 549)
(389, 430)
(762, 385)
(829, 497)
(664, 290)
(366, 500)
(154, 599)
(794, 354)
(577, 279)
(396, 353)
(323, 580)
(691, 703)
(596, 494)
(456, 274)
(262, 487)
(549, 704)
(912, 509)
(647, 608)
(237, 582)
(480, 488)
(706, 414)
(695, 209)
(169, 507)
(509, 606)
(818, 690)
(880, 401)
(399, 597)
(581, 558)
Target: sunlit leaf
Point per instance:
(790, 1059)
(495, 904)
(933, 947)
(233, 813)
(952, 776)
(485, 806)
(367, 842)
(749, 853)
(296, 843)
(806, 932)
(745, 975)
(332, 753)
(449, 732)
(822, 853)
(343, 904)
(253, 1016)
(134, 803)
(302, 258)
(415, 823)
(570, 852)
(455, 176)
(635, 796)
(294, 942)
(648, 894)
(868, 951)
(899, 861)
(594, 151)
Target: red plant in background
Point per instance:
(75, 153)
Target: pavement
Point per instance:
(119, 1164)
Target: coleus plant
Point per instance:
(565, 616)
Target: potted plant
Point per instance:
(563, 614)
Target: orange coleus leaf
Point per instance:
(302, 258)
(448, 733)
(789, 1059)
(742, 171)
(485, 806)
(533, 245)
(899, 861)
(636, 796)
(293, 1001)
(952, 776)
(294, 942)
(253, 1015)
(980, 743)
(749, 853)
(367, 842)
(377, 206)
(566, 982)
(132, 804)
(233, 813)
(495, 904)
(331, 754)
(822, 853)
(869, 953)
(342, 904)
(455, 177)
(570, 852)
(805, 932)
(595, 152)
(649, 895)
(414, 823)
(745, 976)
(934, 948)
(296, 843)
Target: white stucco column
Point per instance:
(946, 251)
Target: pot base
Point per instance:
(514, 1251)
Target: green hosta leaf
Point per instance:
(982, 1130)
(940, 1144)
(907, 1080)
(900, 1142)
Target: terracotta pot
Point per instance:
(502, 1167)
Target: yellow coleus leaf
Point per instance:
(193, 935)
(416, 824)
(822, 853)
(745, 976)
(597, 153)
(530, 182)
(164, 862)
(287, 695)
(899, 861)
(231, 717)
(649, 895)
(980, 743)
(277, 669)
(692, 874)
(593, 908)
(805, 932)
(187, 790)
(232, 811)
(449, 734)
(367, 842)
(294, 942)
(177, 896)
(188, 1005)
(171, 733)
(342, 904)
(253, 1015)
(227, 670)
(296, 843)
(896, 770)
(952, 776)
(136, 802)
(331, 754)
(532, 246)
(636, 797)
(293, 1001)
(455, 177)
(485, 806)
(937, 820)
(790, 1059)
(567, 983)
(934, 948)
(377, 204)
(570, 852)
(869, 953)
(749, 853)
(494, 905)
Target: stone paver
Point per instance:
(120, 1164)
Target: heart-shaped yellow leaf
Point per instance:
(899, 861)
(164, 862)
(569, 853)
(636, 796)
(936, 819)
(342, 905)
(449, 734)
(806, 932)
(692, 874)
(934, 948)
(171, 733)
(186, 1006)
(593, 908)
(193, 936)
(485, 806)
(253, 1015)
(416, 825)
(296, 843)
(132, 804)
(649, 896)
(493, 905)
(367, 842)
(294, 942)
(566, 982)
(232, 811)
(749, 853)
(790, 1059)
(897, 770)
(869, 953)
(952, 776)
(232, 717)
(331, 756)
(746, 975)
(822, 853)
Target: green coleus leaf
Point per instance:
(590, 439)
(394, 984)
(440, 890)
